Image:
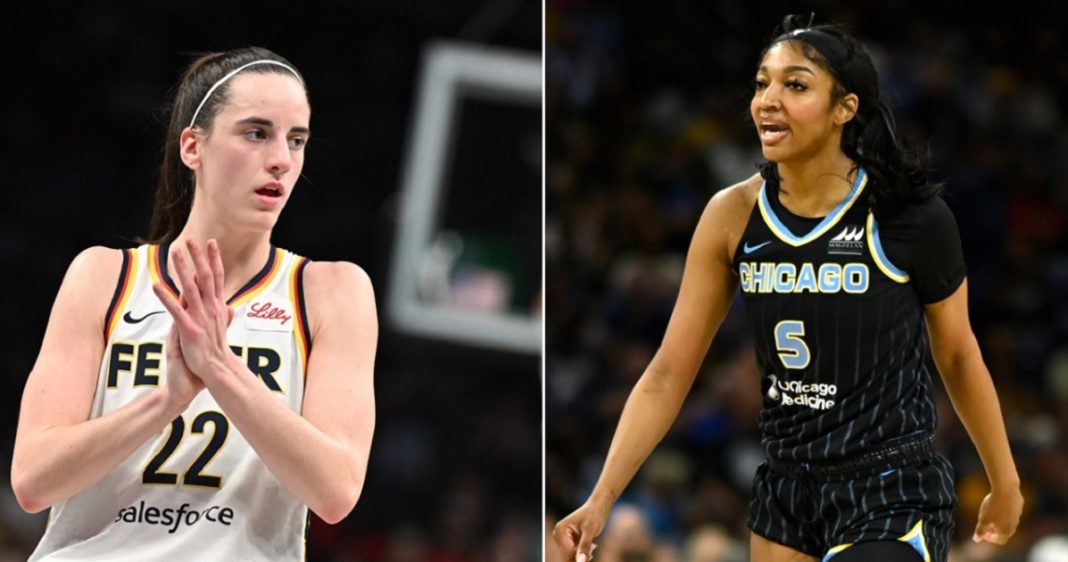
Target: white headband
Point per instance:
(231, 74)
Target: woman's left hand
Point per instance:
(999, 515)
(203, 321)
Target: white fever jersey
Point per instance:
(197, 490)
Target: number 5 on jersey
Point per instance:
(791, 347)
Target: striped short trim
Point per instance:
(913, 504)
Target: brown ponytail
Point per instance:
(175, 184)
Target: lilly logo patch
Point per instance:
(267, 316)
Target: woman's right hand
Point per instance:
(181, 385)
(574, 534)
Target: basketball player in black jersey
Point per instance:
(849, 263)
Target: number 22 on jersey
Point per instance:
(194, 475)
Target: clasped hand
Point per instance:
(197, 349)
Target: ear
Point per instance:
(846, 109)
(189, 148)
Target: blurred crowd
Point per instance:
(647, 108)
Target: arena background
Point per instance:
(455, 471)
(646, 107)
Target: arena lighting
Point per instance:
(451, 74)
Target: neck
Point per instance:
(814, 186)
(243, 253)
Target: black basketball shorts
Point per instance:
(823, 516)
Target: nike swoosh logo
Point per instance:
(130, 319)
(746, 248)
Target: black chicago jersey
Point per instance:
(836, 309)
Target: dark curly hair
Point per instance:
(900, 172)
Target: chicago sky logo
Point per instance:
(850, 241)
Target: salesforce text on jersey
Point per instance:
(174, 517)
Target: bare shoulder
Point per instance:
(738, 197)
(96, 260)
(724, 219)
(94, 272)
(336, 278)
(337, 289)
(85, 294)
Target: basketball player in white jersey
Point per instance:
(195, 396)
